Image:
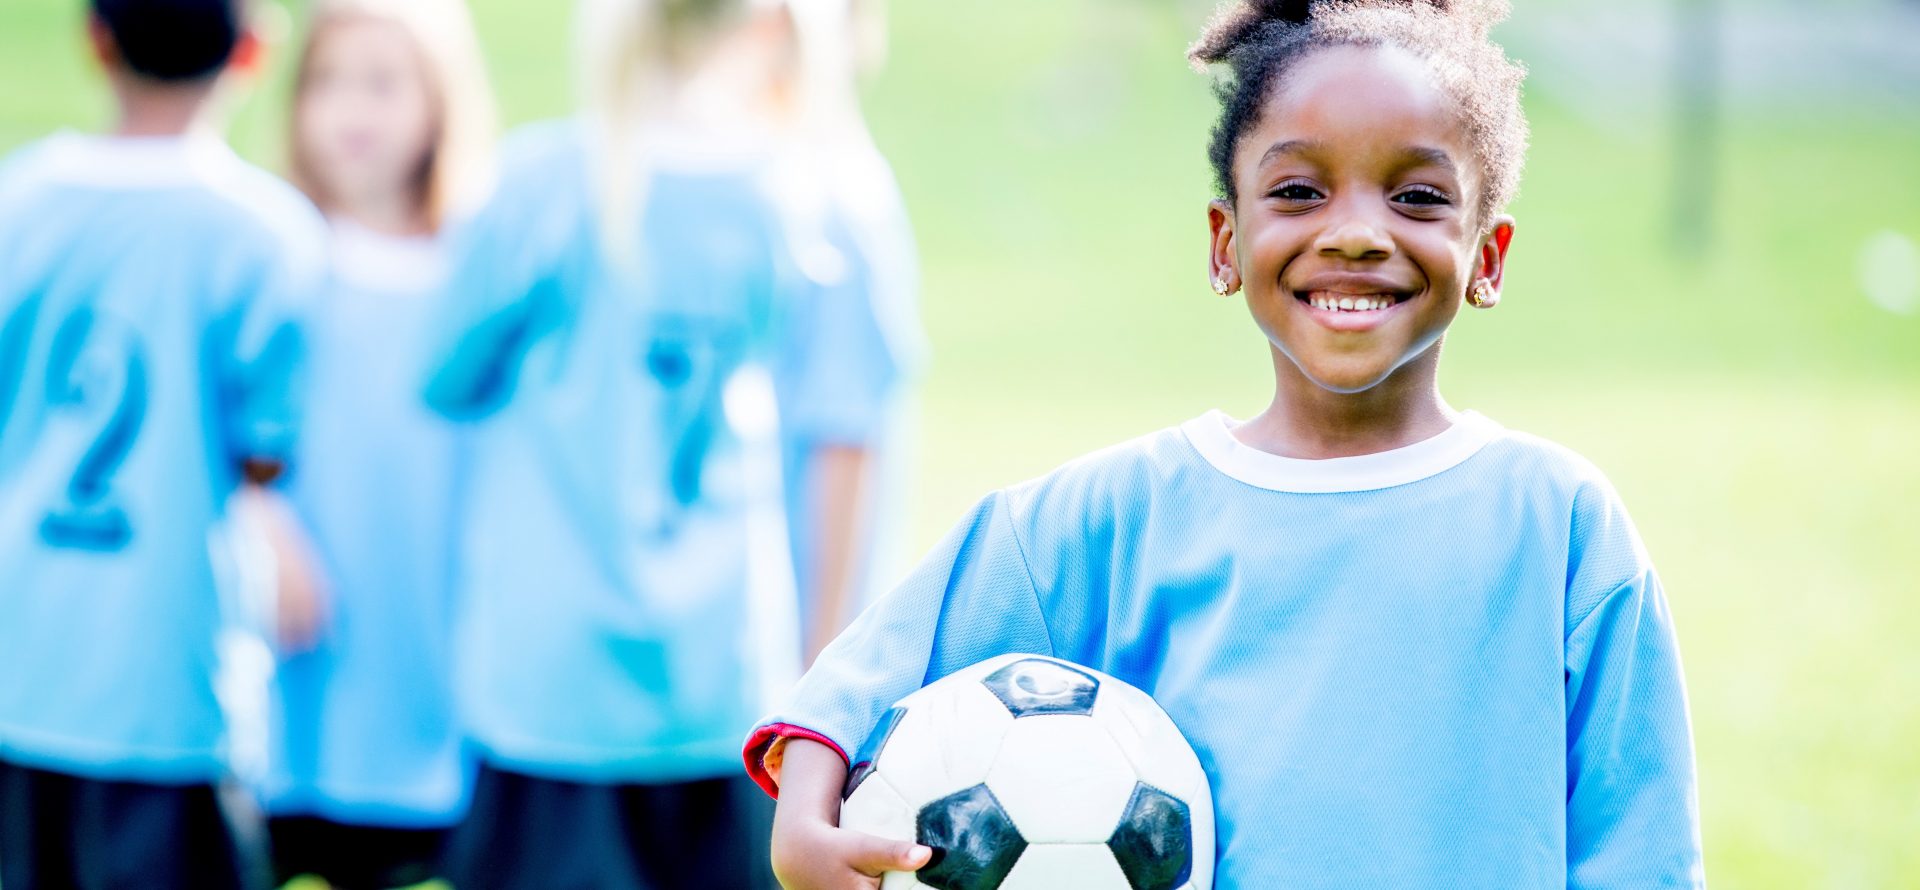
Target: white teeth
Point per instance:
(1348, 303)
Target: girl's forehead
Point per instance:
(1359, 103)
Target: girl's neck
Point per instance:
(159, 110)
(388, 214)
(1306, 420)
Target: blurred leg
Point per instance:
(36, 825)
(530, 833)
(709, 833)
(355, 857)
(63, 832)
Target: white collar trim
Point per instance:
(1212, 435)
(137, 162)
(368, 260)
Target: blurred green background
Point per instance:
(1759, 413)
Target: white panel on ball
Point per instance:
(945, 742)
(1062, 779)
(1066, 867)
(899, 880)
(1150, 741)
(877, 809)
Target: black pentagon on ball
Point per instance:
(1154, 841)
(974, 841)
(871, 748)
(1034, 686)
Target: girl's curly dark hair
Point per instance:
(1253, 44)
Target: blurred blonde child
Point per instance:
(627, 595)
(846, 421)
(391, 130)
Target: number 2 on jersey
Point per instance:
(96, 375)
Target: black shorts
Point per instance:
(527, 833)
(354, 857)
(73, 833)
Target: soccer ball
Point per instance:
(1025, 772)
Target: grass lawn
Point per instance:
(1758, 414)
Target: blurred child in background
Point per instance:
(627, 592)
(146, 281)
(844, 419)
(391, 127)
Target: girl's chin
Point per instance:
(1348, 378)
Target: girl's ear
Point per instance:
(1493, 252)
(249, 54)
(100, 40)
(1222, 268)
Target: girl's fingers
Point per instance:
(873, 856)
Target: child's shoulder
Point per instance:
(1604, 547)
(1530, 459)
(1129, 470)
(205, 192)
(547, 144)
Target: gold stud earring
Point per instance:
(1481, 295)
(1220, 286)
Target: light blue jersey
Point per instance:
(858, 342)
(146, 287)
(363, 729)
(1446, 665)
(627, 597)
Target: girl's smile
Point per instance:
(1351, 302)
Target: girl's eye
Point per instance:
(1423, 196)
(1295, 191)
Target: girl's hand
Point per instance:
(810, 850)
(301, 599)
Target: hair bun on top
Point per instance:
(1292, 12)
(1239, 21)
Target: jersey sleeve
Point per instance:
(840, 366)
(972, 598)
(503, 291)
(1632, 807)
(256, 349)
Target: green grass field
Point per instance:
(1759, 415)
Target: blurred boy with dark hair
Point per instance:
(147, 279)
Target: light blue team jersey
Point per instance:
(363, 729)
(852, 239)
(146, 349)
(627, 593)
(1446, 665)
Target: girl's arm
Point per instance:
(840, 477)
(810, 850)
(1633, 817)
(301, 599)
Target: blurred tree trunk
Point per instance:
(1697, 35)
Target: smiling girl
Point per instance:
(1456, 656)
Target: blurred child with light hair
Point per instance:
(148, 284)
(846, 421)
(391, 132)
(627, 595)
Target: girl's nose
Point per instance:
(1354, 238)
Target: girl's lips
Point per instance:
(1325, 308)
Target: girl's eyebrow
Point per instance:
(1416, 155)
(1289, 147)
(1427, 156)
